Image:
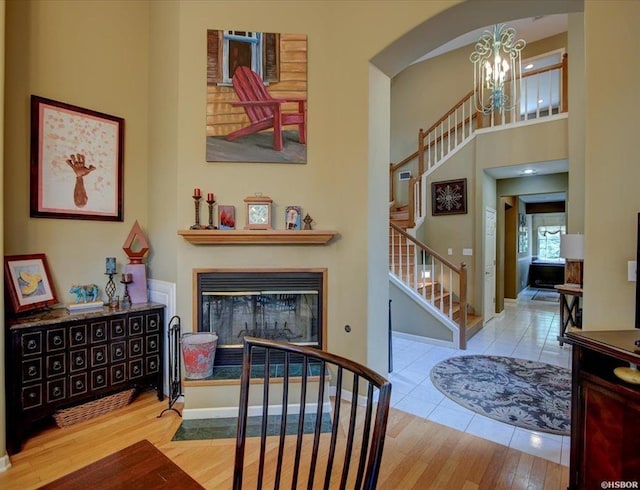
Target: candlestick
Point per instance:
(111, 265)
(196, 201)
(126, 299)
(110, 288)
(210, 202)
(196, 192)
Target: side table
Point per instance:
(570, 313)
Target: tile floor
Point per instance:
(527, 329)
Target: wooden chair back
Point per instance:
(302, 436)
(249, 87)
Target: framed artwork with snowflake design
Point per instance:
(449, 197)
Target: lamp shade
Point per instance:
(572, 246)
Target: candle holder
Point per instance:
(211, 226)
(110, 288)
(126, 299)
(196, 201)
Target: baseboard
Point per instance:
(5, 463)
(254, 411)
(424, 340)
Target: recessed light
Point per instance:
(528, 171)
(540, 101)
(529, 66)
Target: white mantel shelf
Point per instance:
(258, 237)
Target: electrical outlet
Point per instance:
(467, 251)
(632, 268)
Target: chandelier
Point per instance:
(497, 70)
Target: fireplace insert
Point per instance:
(282, 305)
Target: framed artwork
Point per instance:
(449, 197)
(76, 162)
(28, 282)
(226, 218)
(292, 217)
(523, 234)
(256, 105)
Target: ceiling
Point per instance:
(530, 29)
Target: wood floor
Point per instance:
(418, 454)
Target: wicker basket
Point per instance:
(89, 410)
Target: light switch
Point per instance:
(467, 251)
(450, 251)
(631, 271)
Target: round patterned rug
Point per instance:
(528, 394)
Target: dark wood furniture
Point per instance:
(140, 465)
(570, 311)
(314, 446)
(56, 359)
(545, 274)
(265, 111)
(604, 409)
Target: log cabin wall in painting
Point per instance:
(261, 115)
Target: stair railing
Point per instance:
(438, 281)
(461, 122)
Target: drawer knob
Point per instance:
(119, 329)
(152, 364)
(57, 340)
(79, 336)
(152, 323)
(136, 370)
(32, 395)
(152, 344)
(57, 365)
(118, 351)
(79, 361)
(79, 385)
(118, 374)
(32, 371)
(32, 344)
(99, 356)
(100, 378)
(57, 391)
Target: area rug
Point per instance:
(550, 296)
(528, 394)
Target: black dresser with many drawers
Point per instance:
(56, 359)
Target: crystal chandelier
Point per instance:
(497, 70)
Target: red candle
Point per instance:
(210, 197)
(196, 192)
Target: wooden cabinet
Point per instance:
(605, 410)
(56, 359)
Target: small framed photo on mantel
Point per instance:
(292, 217)
(226, 217)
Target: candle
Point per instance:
(196, 192)
(111, 265)
(127, 277)
(210, 197)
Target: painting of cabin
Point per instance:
(256, 97)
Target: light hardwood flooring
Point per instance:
(418, 454)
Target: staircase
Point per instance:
(436, 282)
(441, 284)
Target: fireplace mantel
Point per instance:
(258, 237)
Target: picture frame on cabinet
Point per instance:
(77, 158)
(226, 217)
(28, 282)
(292, 217)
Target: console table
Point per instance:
(569, 308)
(56, 359)
(604, 409)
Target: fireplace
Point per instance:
(278, 304)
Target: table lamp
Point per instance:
(572, 249)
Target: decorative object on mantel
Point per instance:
(110, 288)
(258, 212)
(211, 200)
(226, 218)
(307, 222)
(28, 282)
(197, 196)
(292, 216)
(86, 297)
(449, 197)
(135, 267)
(127, 278)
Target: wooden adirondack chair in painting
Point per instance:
(264, 111)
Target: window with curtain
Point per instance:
(548, 240)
